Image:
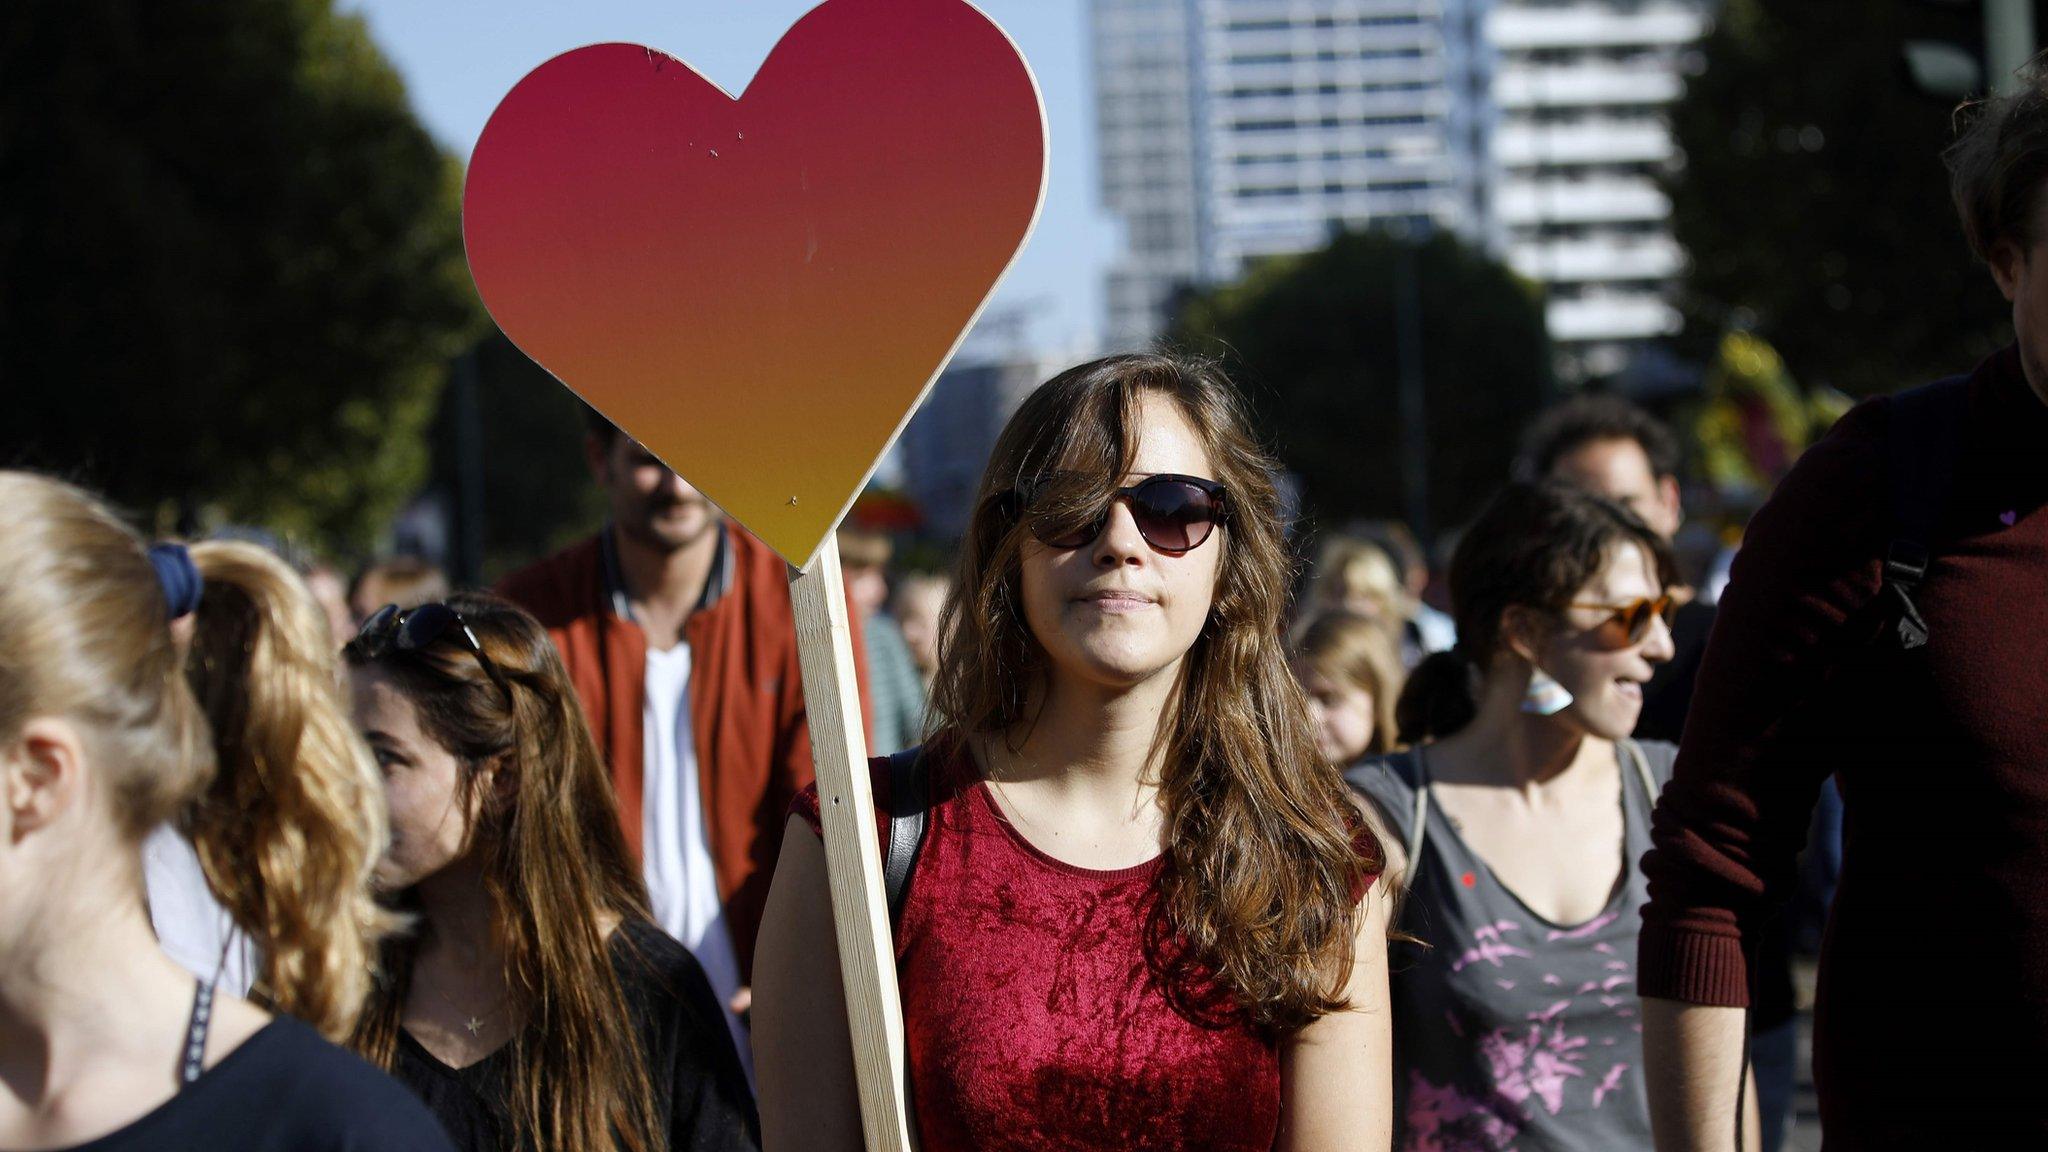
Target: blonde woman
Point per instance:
(105, 1042)
(1351, 669)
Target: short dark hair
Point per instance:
(1534, 546)
(1998, 162)
(1584, 420)
(595, 423)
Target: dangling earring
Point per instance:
(1545, 696)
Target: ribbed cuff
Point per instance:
(1692, 967)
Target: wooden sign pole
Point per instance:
(853, 858)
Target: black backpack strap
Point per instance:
(910, 789)
(1922, 446)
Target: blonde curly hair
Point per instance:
(293, 821)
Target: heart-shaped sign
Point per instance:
(761, 289)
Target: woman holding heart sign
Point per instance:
(1143, 911)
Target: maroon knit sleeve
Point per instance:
(1731, 823)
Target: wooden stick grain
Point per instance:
(853, 860)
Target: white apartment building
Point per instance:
(1581, 87)
(1234, 129)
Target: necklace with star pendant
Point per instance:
(471, 1022)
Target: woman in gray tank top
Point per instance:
(1517, 821)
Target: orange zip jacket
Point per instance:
(746, 701)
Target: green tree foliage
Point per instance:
(231, 271)
(1814, 203)
(537, 493)
(1313, 339)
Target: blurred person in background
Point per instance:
(917, 605)
(1612, 448)
(1433, 630)
(330, 590)
(533, 1005)
(1355, 573)
(105, 1041)
(678, 633)
(1349, 667)
(1516, 820)
(896, 700)
(407, 581)
(1883, 623)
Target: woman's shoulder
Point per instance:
(948, 768)
(1660, 756)
(301, 1092)
(657, 973)
(1389, 782)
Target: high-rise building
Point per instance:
(1581, 87)
(1234, 129)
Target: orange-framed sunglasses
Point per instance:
(1630, 621)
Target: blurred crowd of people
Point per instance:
(1198, 849)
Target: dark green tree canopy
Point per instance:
(1313, 340)
(231, 270)
(1814, 202)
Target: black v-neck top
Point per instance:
(283, 1090)
(701, 1095)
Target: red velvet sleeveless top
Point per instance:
(1032, 1020)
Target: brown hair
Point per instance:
(1351, 568)
(860, 549)
(275, 793)
(555, 863)
(292, 824)
(1533, 546)
(1998, 162)
(1256, 898)
(1354, 650)
(406, 581)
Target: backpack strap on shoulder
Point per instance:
(1418, 779)
(1636, 756)
(1921, 448)
(910, 796)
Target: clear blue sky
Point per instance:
(459, 56)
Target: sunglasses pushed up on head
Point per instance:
(1627, 623)
(392, 629)
(1174, 514)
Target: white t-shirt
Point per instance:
(190, 924)
(681, 885)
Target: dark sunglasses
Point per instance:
(390, 629)
(1630, 622)
(1174, 514)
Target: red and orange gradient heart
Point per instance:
(761, 289)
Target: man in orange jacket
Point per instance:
(677, 630)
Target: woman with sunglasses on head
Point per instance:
(106, 1043)
(1516, 824)
(535, 1007)
(1142, 912)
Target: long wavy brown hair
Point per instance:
(556, 865)
(1256, 901)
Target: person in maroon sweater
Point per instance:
(1931, 1028)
